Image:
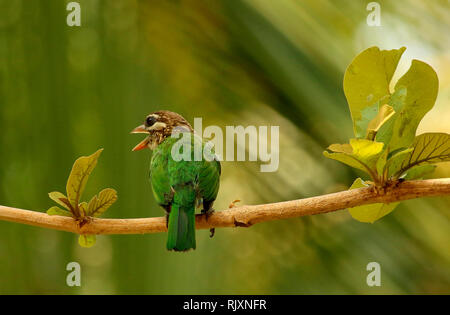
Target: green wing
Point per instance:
(209, 180)
(208, 172)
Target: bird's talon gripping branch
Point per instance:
(167, 220)
(207, 213)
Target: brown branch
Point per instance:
(240, 216)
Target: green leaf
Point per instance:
(368, 114)
(60, 199)
(422, 87)
(87, 240)
(391, 161)
(419, 171)
(99, 204)
(372, 212)
(395, 160)
(366, 81)
(428, 148)
(79, 175)
(382, 161)
(58, 211)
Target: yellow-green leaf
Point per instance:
(58, 211)
(360, 153)
(60, 199)
(87, 240)
(428, 148)
(79, 175)
(422, 87)
(366, 81)
(367, 151)
(99, 204)
(372, 212)
(344, 154)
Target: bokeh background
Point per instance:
(67, 91)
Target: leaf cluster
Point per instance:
(71, 205)
(385, 145)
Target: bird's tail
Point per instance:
(181, 234)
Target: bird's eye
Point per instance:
(150, 121)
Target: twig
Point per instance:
(243, 216)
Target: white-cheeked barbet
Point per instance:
(181, 178)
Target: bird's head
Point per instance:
(158, 126)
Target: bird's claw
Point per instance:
(207, 213)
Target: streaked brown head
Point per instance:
(160, 125)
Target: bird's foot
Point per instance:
(167, 220)
(233, 203)
(207, 214)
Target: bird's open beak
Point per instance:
(143, 144)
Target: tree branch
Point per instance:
(243, 216)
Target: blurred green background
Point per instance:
(67, 91)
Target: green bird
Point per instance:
(182, 177)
